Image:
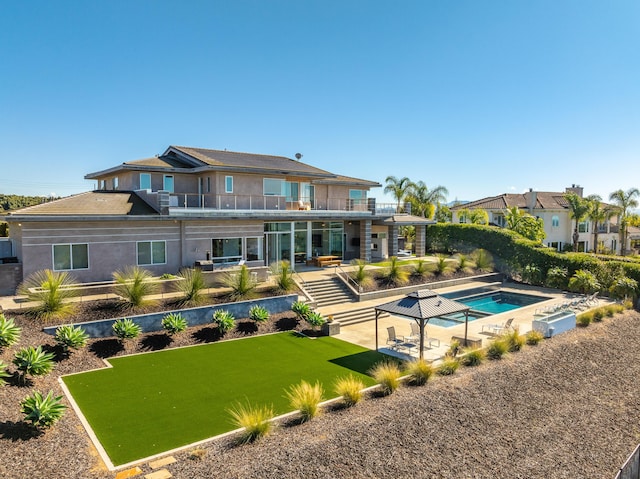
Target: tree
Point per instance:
(424, 201)
(443, 214)
(475, 216)
(398, 188)
(513, 216)
(524, 224)
(598, 213)
(624, 200)
(579, 209)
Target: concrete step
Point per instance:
(357, 316)
(328, 292)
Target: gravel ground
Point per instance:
(567, 408)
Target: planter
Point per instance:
(555, 323)
(194, 316)
(330, 329)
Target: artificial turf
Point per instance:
(150, 403)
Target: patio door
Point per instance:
(278, 245)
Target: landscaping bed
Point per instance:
(489, 421)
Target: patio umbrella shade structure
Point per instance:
(421, 306)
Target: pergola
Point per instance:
(421, 306)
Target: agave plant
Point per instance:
(70, 336)
(301, 309)
(32, 361)
(191, 286)
(134, 285)
(9, 332)
(174, 323)
(42, 411)
(315, 319)
(258, 314)
(3, 373)
(126, 329)
(224, 320)
(50, 290)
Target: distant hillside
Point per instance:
(14, 202)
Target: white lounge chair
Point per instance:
(498, 328)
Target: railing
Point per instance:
(356, 285)
(262, 202)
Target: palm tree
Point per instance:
(624, 200)
(513, 216)
(598, 214)
(398, 188)
(579, 209)
(424, 201)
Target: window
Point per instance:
(272, 187)
(583, 227)
(557, 245)
(208, 184)
(228, 184)
(102, 185)
(168, 183)
(145, 181)
(555, 221)
(254, 249)
(226, 250)
(115, 183)
(152, 252)
(291, 191)
(70, 256)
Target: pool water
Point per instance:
(484, 302)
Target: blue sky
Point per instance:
(482, 97)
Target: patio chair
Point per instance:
(394, 340)
(498, 328)
(415, 336)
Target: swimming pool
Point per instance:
(485, 302)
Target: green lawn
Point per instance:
(150, 403)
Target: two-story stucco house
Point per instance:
(554, 210)
(192, 205)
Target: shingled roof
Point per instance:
(544, 200)
(93, 203)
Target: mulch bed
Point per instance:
(567, 408)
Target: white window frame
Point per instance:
(116, 183)
(70, 245)
(150, 242)
(555, 221)
(226, 184)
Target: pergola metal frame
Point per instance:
(421, 306)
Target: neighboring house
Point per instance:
(193, 205)
(554, 210)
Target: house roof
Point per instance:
(403, 219)
(198, 159)
(548, 200)
(92, 203)
(423, 304)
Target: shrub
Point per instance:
(557, 277)
(387, 374)
(514, 340)
(315, 319)
(256, 421)
(443, 265)
(395, 274)
(306, 398)
(350, 388)
(70, 336)
(32, 361)
(483, 260)
(584, 319)
(9, 332)
(533, 337)
(448, 366)
(454, 349)
(301, 309)
(168, 276)
(465, 264)
(611, 309)
(360, 275)
(51, 290)
(473, 357)
(191, 286)
(598, 315)
(197, 454)
(624, 288)
(126, 329)
(531, 274)
(258, 314)
(283, 276)
(174, 323)
(224, 320)
(42, 412)
(497, 348)
(133, 285)
(240, 282)
(3, 373)
(584, 282)
(419, 371)
(421, 269)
